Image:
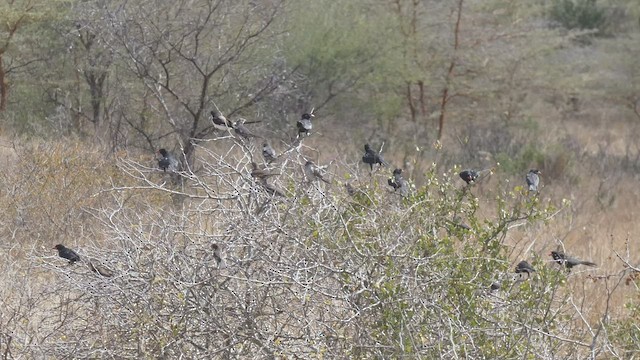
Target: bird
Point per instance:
(533, 179)
(260, 173)
(568, 261)
(167, 161)
(458, 222)
(268, 153)
(242, 130)
(313, 172)
(216, 254)
(372, 157)
(304, 124)
(272, 190)
(350, 189)
(524, 267)
(469, 175)
(398, 182)
(99, 269)
(65, 252)
(218, 119)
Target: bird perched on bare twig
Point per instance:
(533, 179)
(260, 173)
(398, 182)
(271, 189)
(350, 189)
(568, 261)
(372, 157)
(469, 175)
(167, 161)
(66, 253)
(218, 119)
(524, 267)
(268, 153)
(216, 254)
(458, 222)
(243, 131)
(99, 269)
(304, 124)
(313, 172)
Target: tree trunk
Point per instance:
(4, 85)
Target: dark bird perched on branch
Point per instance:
(469, 175)
(524, 267)
(398, 182)
(260, 173)
(66, 253)
(243, 131)
(99, 269)
(218, 119)
(372, 157)
(533, 179)
(312, 171)
(167, 161)
(268, 153)
(304, 124)
(568, 261)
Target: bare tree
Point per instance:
(192, 57)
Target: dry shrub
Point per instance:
(317, 272)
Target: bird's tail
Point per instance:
(588, 263)
(532, 187)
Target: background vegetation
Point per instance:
(90, 90)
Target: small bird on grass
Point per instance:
(524, 267)
(568, 261)
(533, 179)
(66, 253)
(167, 161)
(469, 175)
(268, 153)
(398, 182)
(372, 157)
(304, 124)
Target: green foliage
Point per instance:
(625, 329)
(528, 156)
(579, 14)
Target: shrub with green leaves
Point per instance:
(579, 14)
(319, 272)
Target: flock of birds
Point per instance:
(169, 163)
